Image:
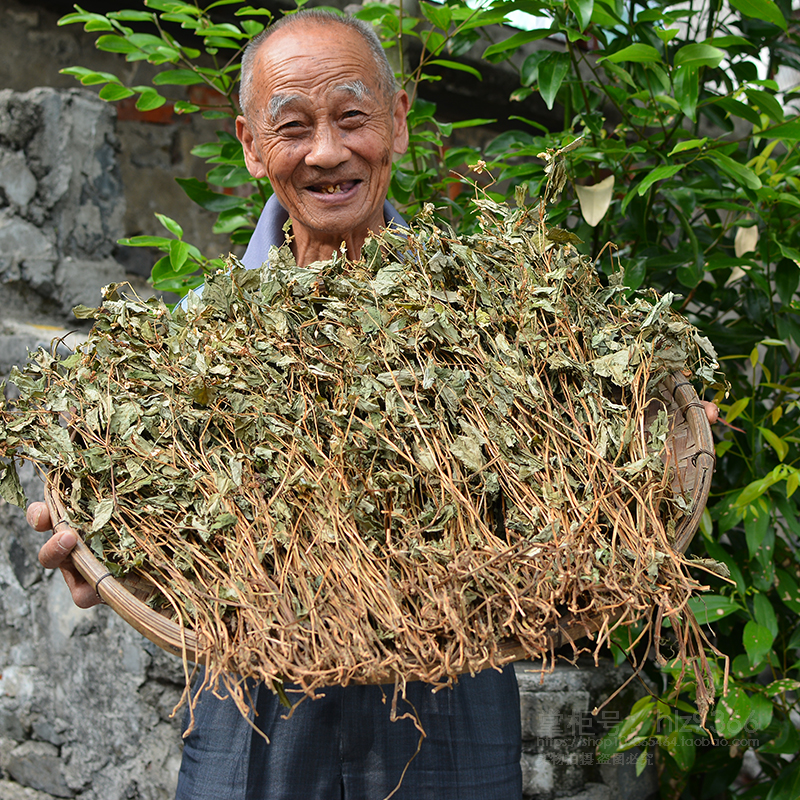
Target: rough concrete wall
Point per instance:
(85, 701)
(61, 201)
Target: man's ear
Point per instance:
(252, 159)
(400, 111)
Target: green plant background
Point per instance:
(679, 105)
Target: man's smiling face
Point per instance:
(323, 132)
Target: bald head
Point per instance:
(383, 71)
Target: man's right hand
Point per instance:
(55, 554)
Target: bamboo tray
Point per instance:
(689, 454)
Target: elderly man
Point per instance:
(322, 120)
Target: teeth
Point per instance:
(332, 189)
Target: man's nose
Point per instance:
(328, 149)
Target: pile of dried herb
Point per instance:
(385, 467)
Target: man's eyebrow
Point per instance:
(278, 102)
(357, 88)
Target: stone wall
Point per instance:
(153, 148)
(85, 702)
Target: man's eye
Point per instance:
(352, 114)
(292, 126)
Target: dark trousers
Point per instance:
(344, 746)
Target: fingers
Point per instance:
(55, 554)
(83, 593)
(712, 411)
(38, 516)
(57, 548)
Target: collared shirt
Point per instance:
(269, 230)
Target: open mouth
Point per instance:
(333, 188)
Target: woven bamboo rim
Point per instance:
(689, 454)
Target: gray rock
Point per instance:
(16, 180)
(13, 791)
(592, 791)
(23, 243)
(80, 280)
(19, 119)
(11, 726)
(38, 765)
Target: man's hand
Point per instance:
(712, 411)
(55, 554)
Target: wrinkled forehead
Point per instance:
(314, 62)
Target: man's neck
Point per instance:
(311, 246)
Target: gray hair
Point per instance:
(386, 81)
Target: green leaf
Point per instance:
(786, 251)
(551, 75)
(742, 669)
(689, 144)
(666, 34)
(709, 608)
(178, 253)
(680, 745)
(787, 278)
(439, 15)
(457, 65)
(474, 123)
(112, 92)
(149, 100)
(741, 174)
(267, 13)
(738, 109)
(170, 225)
(582, 9)
(529, 72)
(607, 13)
(757, 642)
(786, 742)
(787, 786)
(85, 17)
(736, 409)
(10, 488)
(98, 25)
(775, 442)
(128, 15)
(732, 712)
(788, 590)
(115, 44)
(788, 130)
(89, 77)
(761, 711)
(184, 107)
(765, 614)
(781, 686)
(252, 28)
(205, 198)
(730, 41)
(638, 725)
(145, 241)
(162, 270)
(509, 46)
(658, 174)
(698, 55)
(755, 528)
(761, 9)
(177, 77)
(635, 53)
(766, 102)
